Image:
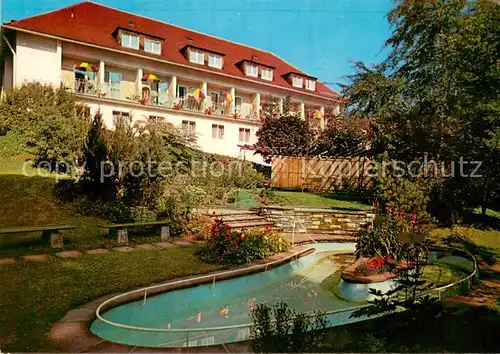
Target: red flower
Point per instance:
(235, 244)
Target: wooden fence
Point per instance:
(320, 174)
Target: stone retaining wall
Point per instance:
(309, 220)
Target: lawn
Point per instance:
(34, 295)
(247, 198)
(322, 200)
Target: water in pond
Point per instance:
(229, 303)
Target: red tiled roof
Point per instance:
(93, 23)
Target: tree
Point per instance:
(50, 120)
(95, 155)
(437, 92)
(286, 135)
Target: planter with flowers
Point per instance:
(229, 247)
(380, 254)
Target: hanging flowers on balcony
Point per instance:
(151, 78)
(197, 93)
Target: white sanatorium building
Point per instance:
(135, 68)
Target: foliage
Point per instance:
(11, 144)
(230, 247)
(286, 135)
(385, 238)
(52, 124)
(198, 226)
(399, 193)
(95, 153)
(343, 137)
(278, 329)
(437, 93)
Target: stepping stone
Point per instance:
(69, 254)
(37, 257)
(7, 261)
(123, 249)
(182, 243)
(145, 246)
(97, 251)
(164, 244)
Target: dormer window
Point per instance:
(215, 61)
(266, 74)
(130, 40)
(196, 56)
(251, 70)
(310, 85)
(152, 46)
(297, 81)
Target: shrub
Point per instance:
(142, 214)
(49, 120)
(229, 247)
(278, 329)
(285, 135)
(198, 226)
(384, 239)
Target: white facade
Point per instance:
(117, 85)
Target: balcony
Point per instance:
(151, 97)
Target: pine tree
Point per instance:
(95, 155)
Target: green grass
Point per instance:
(34, 295)
(246, 199)
(321, 200)
(28, 201)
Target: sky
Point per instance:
(320, 37)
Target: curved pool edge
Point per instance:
(73, 330)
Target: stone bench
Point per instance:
(121, 230)
(50, 233)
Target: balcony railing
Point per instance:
(116, 91)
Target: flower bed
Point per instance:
(372, 270)
(225, 246)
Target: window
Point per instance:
(152, 46)
(266, 74)
(244, 135)
(217, 131)
(215, 61)
(215, 97)
(156, 119)
(189, 126)
(237, 105)
(182, 91)
(130, 40)
(111, 77)
(251, 70)
(310, 85)
(297, 81)
(196, 56)
(121, 118)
